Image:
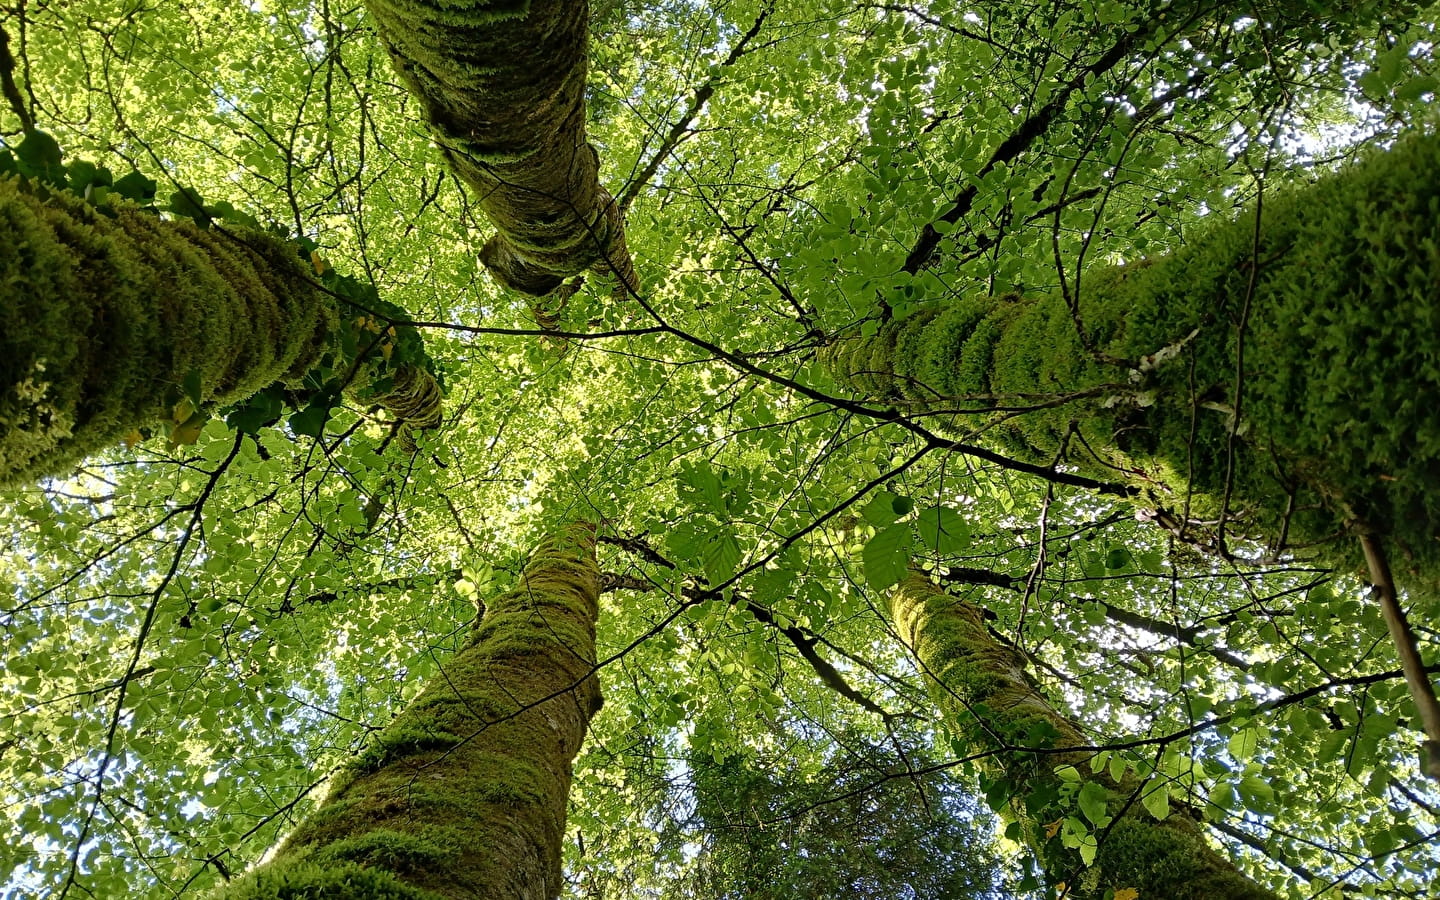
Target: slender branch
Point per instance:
(681, 128)
(803, 639)
(1267, 851)
(8, 86)
(1189, 636)
(932, 440)
(1020, 140)
(1405, 647)
(133, 667)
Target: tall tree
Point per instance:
(503, 88)
(197, 636)
(118, 320)
(464, 794)
(990, 699)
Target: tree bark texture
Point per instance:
(1278, 374)
(502, 85)
(107, 313)
(989, 700)
(464, 794)
(112, 316)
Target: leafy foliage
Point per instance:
(196, 636)
(861, 826)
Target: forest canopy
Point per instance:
(975, 449)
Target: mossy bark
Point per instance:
(107, 314)
(111, 317)
(502, 85)
(1282, 380)
(991, 703)
(463, 795)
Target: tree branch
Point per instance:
(1405, 647)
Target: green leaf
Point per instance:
(943, 530)
(226, 212)
(186, 202)
(1372, 84)
(1118, 766)
(773, 584)
(720, 555)
(1041, 734)
(192, 388)
(699, 480)
(881, 510)
(1156, 800)
(39, 156)
(1094, 801)
(186, 433)
(1118, 558)
(886, 557)
(311, 420)
(1256, 792)
(135, 186)
(1243, 743)
(1417, 87)
(260, 410)
(83, 175)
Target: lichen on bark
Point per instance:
(1323, 323)
(990, 701)
(108, 314)
(464, 794)
(502, 85)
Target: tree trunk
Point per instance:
(1278, 378)
(115, 320)
(503, 87)
(107, 315)
(464, 794)
(990, 702)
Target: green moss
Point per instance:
(400, 739)
(502, 85)
(105, 317)
(1169, 859)
(301, 879)
(1340, 374)
(465, 793)
(393, 851)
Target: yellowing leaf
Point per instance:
(319, 264)
(132, 438)
(188, 432)
(386, 349)
(183, 411)
(1127, 894)
(1053, 828)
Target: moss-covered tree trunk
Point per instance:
(1280, 379)
(502, 85)
(116, 320)
(991, 703)
(106, 316)
(463, 795)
